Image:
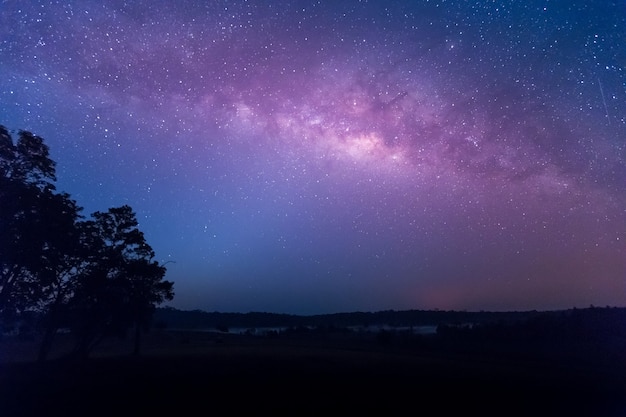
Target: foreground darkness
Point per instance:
(191, 373)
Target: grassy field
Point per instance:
(201, 374)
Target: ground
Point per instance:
(202, 374)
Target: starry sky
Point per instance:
(327, 156)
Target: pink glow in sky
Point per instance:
(313, 157)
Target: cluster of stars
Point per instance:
(331, 156)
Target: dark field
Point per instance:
(202, 374)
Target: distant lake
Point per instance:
(261, 331)
(431, 329)
(234, 330)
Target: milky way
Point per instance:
(324, 156)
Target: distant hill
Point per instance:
(196, 319)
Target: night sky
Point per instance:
(331, 156)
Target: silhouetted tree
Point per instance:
(38, 241)
(61, 263)
(27, 161)
(146, 290)
(35, 222)
(122, 286)
(97, 275)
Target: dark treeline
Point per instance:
(197, 319)
(591, 321)
(96, 276)
(590, 336)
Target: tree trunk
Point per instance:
(137, 347)
(51, 325)
(46, 343)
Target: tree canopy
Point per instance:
(97, 276)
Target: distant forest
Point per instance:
(198, 319)
(593, 322)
